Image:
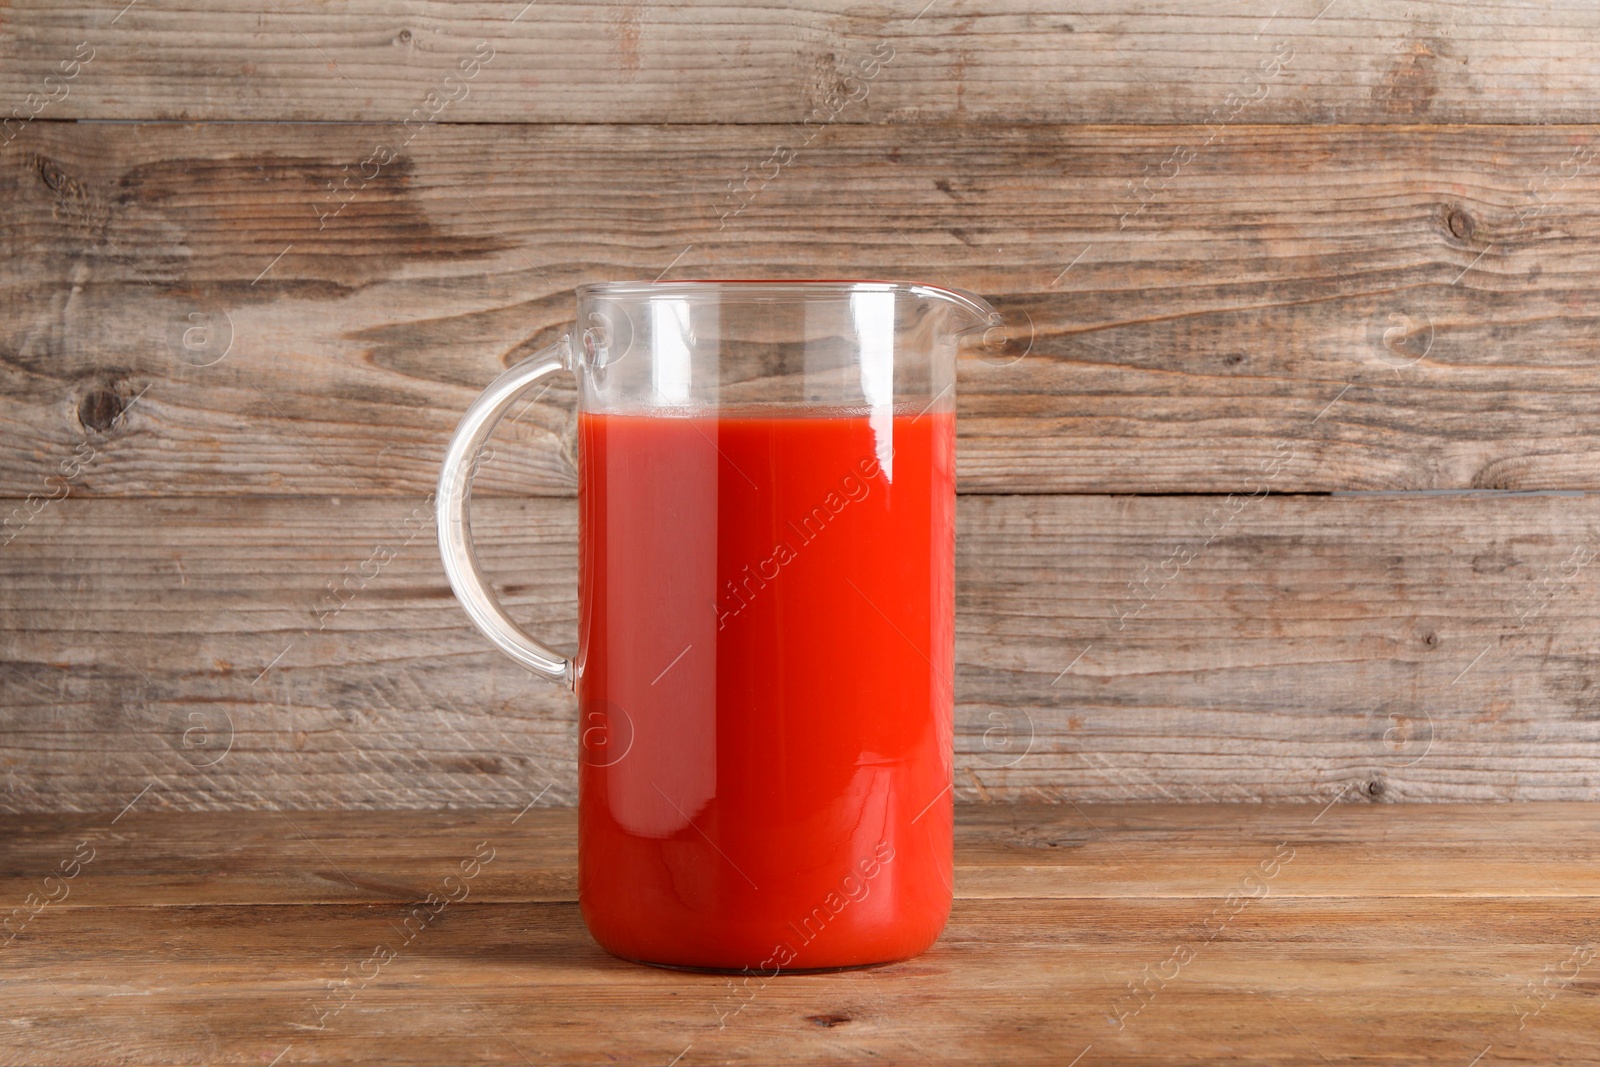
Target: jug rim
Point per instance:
(981, 309)
(638, 285)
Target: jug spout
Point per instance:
(969, 311)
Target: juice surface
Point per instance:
(766, 648)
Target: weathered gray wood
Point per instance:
(1109, 934)
(1096, 61)
(1318, 648)
(1395, 308)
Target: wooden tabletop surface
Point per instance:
(1082, 934)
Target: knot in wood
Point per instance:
(101, 408)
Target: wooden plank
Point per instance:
(1316, 648)
(169, 858)
(232, 696)
(1098, 61)
(1123, 851)
(1105, 851)
(1288, 982)
(1344, 308)
(1272, 975)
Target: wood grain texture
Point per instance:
(1402, 309)
(1306, 648)
(1098, 61)
(1296, 969)
(1103, 851)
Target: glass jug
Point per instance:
(766, 637)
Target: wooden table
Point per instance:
(1083, 934)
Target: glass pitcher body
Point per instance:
(765, 663)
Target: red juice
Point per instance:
(766, 635)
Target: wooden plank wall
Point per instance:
(1278, 494)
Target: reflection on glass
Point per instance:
(669, 329)
(873, 312)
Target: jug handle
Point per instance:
(451, 504)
